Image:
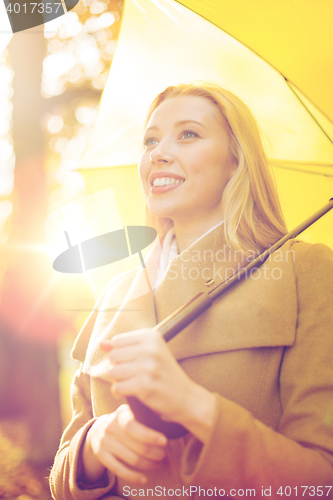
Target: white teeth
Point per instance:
(166, 181)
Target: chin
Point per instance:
(160, 212)
(160, 215)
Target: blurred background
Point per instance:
(51, 80)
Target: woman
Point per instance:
(253, 380)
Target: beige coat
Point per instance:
(265, 349)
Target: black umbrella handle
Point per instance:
(149, 418)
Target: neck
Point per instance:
(187, 234)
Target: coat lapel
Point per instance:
(198, 269)
(137, 310)
(259, 311)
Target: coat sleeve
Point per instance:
(66, 474)
(242, 452)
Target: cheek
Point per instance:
(223, 166)
(212, 175)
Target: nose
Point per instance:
(161, 154)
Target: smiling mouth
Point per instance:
(166, 181)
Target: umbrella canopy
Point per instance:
(276, 56)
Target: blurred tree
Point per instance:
(29, 323)
(80, 49)
(70, 62)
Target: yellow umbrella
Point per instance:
(276, 56)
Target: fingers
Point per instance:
(139, 432)
(149, 348)
(124, 347)
(105, 346)
(125, 339)
(113, 464)
(129, 338)
(124, 450)
(125, 446)
(141, 385)
(141, 364)
(130, 359)
(121, 372)
(124, 354)
(134, 446)
(150, 455)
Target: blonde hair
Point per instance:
(250, 205)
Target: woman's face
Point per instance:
(186, 162)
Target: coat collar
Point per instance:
(259, 311)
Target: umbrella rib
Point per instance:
(307, 109)
(303, 171)
(261, 57)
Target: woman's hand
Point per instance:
(143, 366)
(124, 446)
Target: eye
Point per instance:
(188, 134)
(150, 141)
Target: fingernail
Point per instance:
(105, 346)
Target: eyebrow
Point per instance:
(177, 124)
